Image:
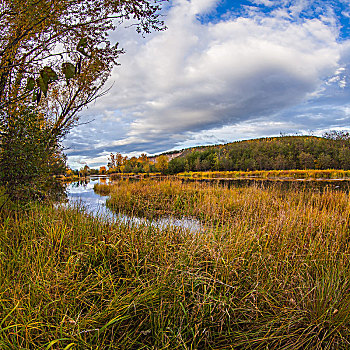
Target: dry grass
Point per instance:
(269, 271)
(268, 174)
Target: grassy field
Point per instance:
(268, 174)
(269, 270)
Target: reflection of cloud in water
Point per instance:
(81, 194)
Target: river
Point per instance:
(81, 193)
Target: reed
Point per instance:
(269, 270)
(268, 174)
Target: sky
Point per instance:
(224, 70)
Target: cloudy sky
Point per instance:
(224, 70)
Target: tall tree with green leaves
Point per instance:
(56, 55)
(162, 164)
(30, 159)
(66, 42)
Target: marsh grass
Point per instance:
(269, 174)
(270, 271)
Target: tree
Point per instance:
(337, 135)
(102, 170)
(144, 163)
(162, 164)
(69, 173)
(55, 57)
(85, 171)
(39, 38)
(112, 162)
(325, 161)
(307, 160)
(143, 158)
(30, 158)
(115, 162)
(344, 158)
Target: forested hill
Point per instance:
(277, 153)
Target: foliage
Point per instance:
(30, 158)
(85, 171)
(279, 153)
(59, 49)
(117, 163)
(283, 175)
(337, 135)
(162, 164)
(40, 38)
(102, 170)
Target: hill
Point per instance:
(275, 153)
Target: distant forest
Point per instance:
(332, 151)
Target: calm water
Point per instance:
(82, 194)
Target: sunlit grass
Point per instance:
(267, 174)
(269, 271)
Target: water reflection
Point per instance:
(81, 193)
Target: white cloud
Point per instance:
(264, 2)
(198, 6)
(196, 76)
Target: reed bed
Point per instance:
(268, 174)
(270, 270)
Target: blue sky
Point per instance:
(223, 71)
(308, 10)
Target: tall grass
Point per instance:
(271, 271)
(268, 174)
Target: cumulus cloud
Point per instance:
(177, 85)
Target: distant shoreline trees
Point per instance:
(275, 153)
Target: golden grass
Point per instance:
(270, 270)
(266, 174)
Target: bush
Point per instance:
(30, 157)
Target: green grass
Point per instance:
(269, 271)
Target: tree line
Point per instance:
(117, 163)
(332, 151)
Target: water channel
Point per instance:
(82, 194)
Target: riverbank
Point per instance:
(327, 175)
